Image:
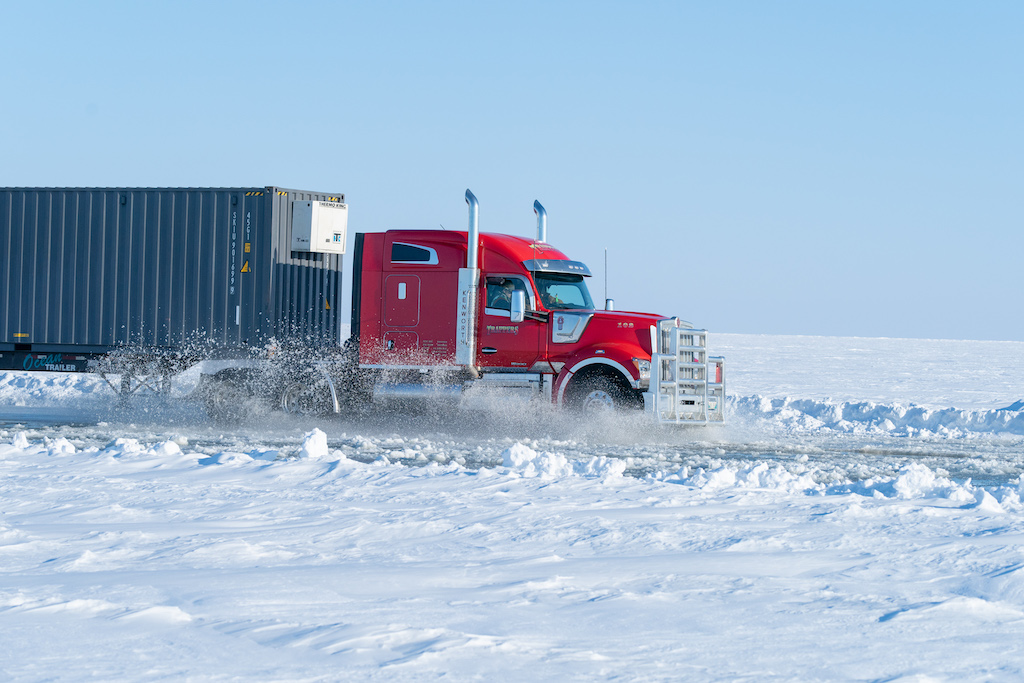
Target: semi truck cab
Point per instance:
(438, 311)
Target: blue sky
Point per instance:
(760, 167)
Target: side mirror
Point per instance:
(518, 306)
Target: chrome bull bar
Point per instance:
(687, 386)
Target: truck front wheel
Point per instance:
(601, 394)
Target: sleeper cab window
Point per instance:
(412, 253)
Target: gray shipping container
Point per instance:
(87, 270)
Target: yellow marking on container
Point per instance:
(248, 245)
(328, 304)
(21, 334)
(245, 268)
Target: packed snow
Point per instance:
(858, 518)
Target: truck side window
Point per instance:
(411, 253)
(499, 293)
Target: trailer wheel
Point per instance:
(306, 396)
(600, 394)
(225, 400)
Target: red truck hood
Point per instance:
(625, 327)
(644, 319)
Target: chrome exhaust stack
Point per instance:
(542, 221)
(472, 255)
(469, 283)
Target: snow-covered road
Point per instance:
(860, 518)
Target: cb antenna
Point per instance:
(609, 304)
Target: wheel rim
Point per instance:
(292, 399)
(225, 401)
(598, 401)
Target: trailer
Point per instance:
(164, 275)
(247, 282)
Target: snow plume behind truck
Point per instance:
(229, 277)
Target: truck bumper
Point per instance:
(687, 386)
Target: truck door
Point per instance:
(401, 313)
(502, 343)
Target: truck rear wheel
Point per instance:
(306, 396)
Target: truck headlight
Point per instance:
(643, 367)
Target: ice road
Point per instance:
(859, 518)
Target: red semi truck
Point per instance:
(439, 313)
(242, 286)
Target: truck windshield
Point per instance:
(560, 291)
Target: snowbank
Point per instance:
(809, 415)
(523, 461)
